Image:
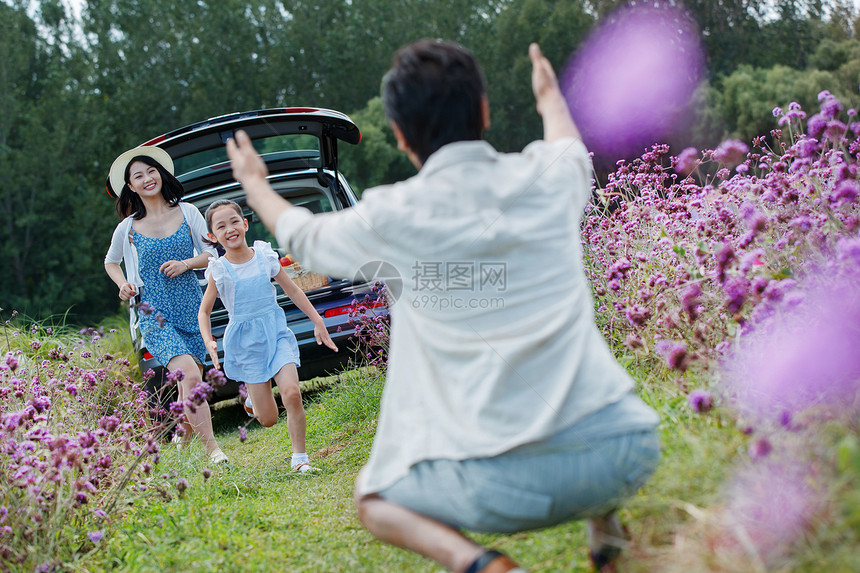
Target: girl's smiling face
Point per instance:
(143, 179)
(228, 227)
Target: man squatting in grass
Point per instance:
(492, 419)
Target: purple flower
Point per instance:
(770, 505)
(175, 376)
(811, 349)
(674, 353)
(846, 191)
(731, 152)
(109, 423)
(95, 536)
(724, 256)
(690, 300)
(200, 393)
(633, 342)
(777, 111)
(835, 130)
(849, 250)
(618, 270)
(620, 94)
(243, 434)
(687, 161)
(736, 293)
(760, 448)
(801, 223)
(181, 485)
(216, 377)
(207, 473)
(700, 401)
(637, 314)
(816, 125)
(831, 106)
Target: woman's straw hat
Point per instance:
(116, 176)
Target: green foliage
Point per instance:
(559, 27)
(376, 160)
(76, 93)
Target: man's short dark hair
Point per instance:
(433, 92)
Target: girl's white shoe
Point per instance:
(305, 468)
(218, 457)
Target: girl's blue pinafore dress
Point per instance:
(257, 342)
(171, 329)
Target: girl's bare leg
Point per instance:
(201, 420)
(263, 401)
(287, 380)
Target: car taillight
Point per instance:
(300, 109)
(346, 309)
(147, 355)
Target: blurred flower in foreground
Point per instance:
(700, 401)
(770, 505)
(805, 356)
(630, 83)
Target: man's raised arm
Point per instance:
(250, 171)
(557, 122)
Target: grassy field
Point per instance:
(257, 516)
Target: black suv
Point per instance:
(299, 146)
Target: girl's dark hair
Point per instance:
(434, 93)
(129, 202)
(208, 216)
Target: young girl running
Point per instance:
(257, 343)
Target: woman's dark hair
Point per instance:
(434, 92)
(129, 202)
(208, 216)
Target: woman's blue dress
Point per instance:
(171, 329)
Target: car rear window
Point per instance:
(276, 148)
(315, 202)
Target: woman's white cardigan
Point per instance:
(122, 247)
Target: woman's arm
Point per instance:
(175, 268)
(126, 289)
(197, 228)
(300, 299)
(203, 319)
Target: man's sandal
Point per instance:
(493, 561)
(608, 547)
(305, 468)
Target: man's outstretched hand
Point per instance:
(247, 164)
(557, 122)
(250, 171)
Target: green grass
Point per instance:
(257, 516)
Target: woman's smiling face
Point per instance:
(143, 179)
